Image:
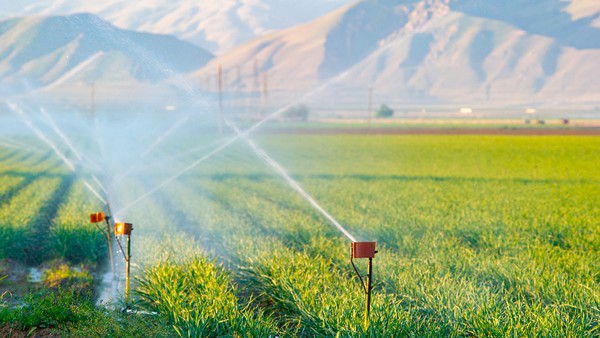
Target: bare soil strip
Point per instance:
(437, 131)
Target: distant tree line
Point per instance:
(298, 112)
(384, 111)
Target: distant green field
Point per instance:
(477, 235)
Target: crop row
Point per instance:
(44, 212)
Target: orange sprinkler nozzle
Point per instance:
(363, 250)
(123, 228)
(97, 217)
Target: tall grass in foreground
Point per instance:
(70, 314)
(312, 297)
(198, 300)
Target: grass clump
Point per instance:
(49, 309)
(197, 298)
(64, 276)
(311, 297)
(3, 293)
(67, 313)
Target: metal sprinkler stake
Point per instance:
(97, 218)
(365, 250)
(120, 230)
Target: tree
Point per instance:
(297, 112)
(384, 111)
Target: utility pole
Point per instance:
(256, 85)
(370, 108)
(265, 93)
(93, 99)
(220, 79)
(238, 100)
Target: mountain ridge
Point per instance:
(215, 26)
(437, 55)
(36, 51)
(403, 51)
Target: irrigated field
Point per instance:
(477, 235)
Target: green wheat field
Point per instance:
(477, 236)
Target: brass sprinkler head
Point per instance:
(123, 228)
(363, 250)
(97, 217)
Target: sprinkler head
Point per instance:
(363, 250)
(123, 228)
(97, 217)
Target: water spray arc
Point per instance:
(232, 140)
(78, 154)
(290, 181)
(46, 140)
(10, 143)
(94, 192)
(95, 179)
(166, 134)
(359, 249)
(149, 150)
(40, 135)
(62, 136)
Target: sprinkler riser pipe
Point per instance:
(365, 250)
(127, 270)
(124, 229)
(100, 217)
(369, 289)
(110, 251)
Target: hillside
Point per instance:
(46, 52)
(459, 52)
(213, 25)
(407, 52)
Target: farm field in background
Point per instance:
(478, 235)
